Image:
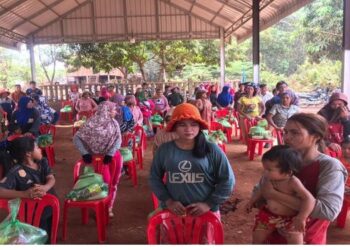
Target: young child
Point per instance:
(280, 164)
(30, 177)
(345, 159)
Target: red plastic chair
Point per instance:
(221, 113)
(31, 210)
(341, 220)
(131, 165)
(67, 116)
(168, 228)
(279, 134)
(50, 155)
(48, 129)
(252, 143)
(87, 114)
(216, 126)
(139, 147)
(99, 206)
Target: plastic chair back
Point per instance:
(221, 113)
(216, 126)
(129, 139)
(168, 228)
(67, 103)
(97, 163)
(30, 212)
(48, 129)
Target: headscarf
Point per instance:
(101, 131)
(24, 113)
(46, 113)
(333, 115)
(225, 98)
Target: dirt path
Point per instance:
(134, 204)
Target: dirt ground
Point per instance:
(134, 204)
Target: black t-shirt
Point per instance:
(21, 177)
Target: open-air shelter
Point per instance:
(33, 22)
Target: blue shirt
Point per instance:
(190, 179)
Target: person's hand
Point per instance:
(248, 207)
(198, 208)
(33, 193)
(39, 190)
(335, 147)
(298, 224)
(107, 159)
(87, 158)
(344, 113)
(176, 207)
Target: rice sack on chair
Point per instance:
(89, 186)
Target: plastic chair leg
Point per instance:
(252, 147)
(139, 156)
(65, 221)
(101, 228)
(261, 144)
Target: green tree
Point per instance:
(322, 27)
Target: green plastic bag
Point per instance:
(12, 231)
(224, 122)
(156, 119)
(44, 140)
(217, 137)
(66, 109)
(126, 153)
(89, 186)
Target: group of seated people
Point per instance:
(25, 111)
(307, 136)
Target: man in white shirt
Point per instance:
(265, 95)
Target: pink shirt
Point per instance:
(137, 115)
(85, 105)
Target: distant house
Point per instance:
(84, 75)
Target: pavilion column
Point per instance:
(256, 41)
(346, 47)
(222, 57)
(32, 60)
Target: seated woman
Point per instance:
(337, 115)
(323, 176)
(7, 104)
(101, 135)
(249, 107)
(199, 176)
(27, 117)
(160, 102)
(280, 113)
(225, 98)
(47, 114)
(85, 103)
(130, 102)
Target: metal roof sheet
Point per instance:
(64, 21)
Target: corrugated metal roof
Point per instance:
(67, 21)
